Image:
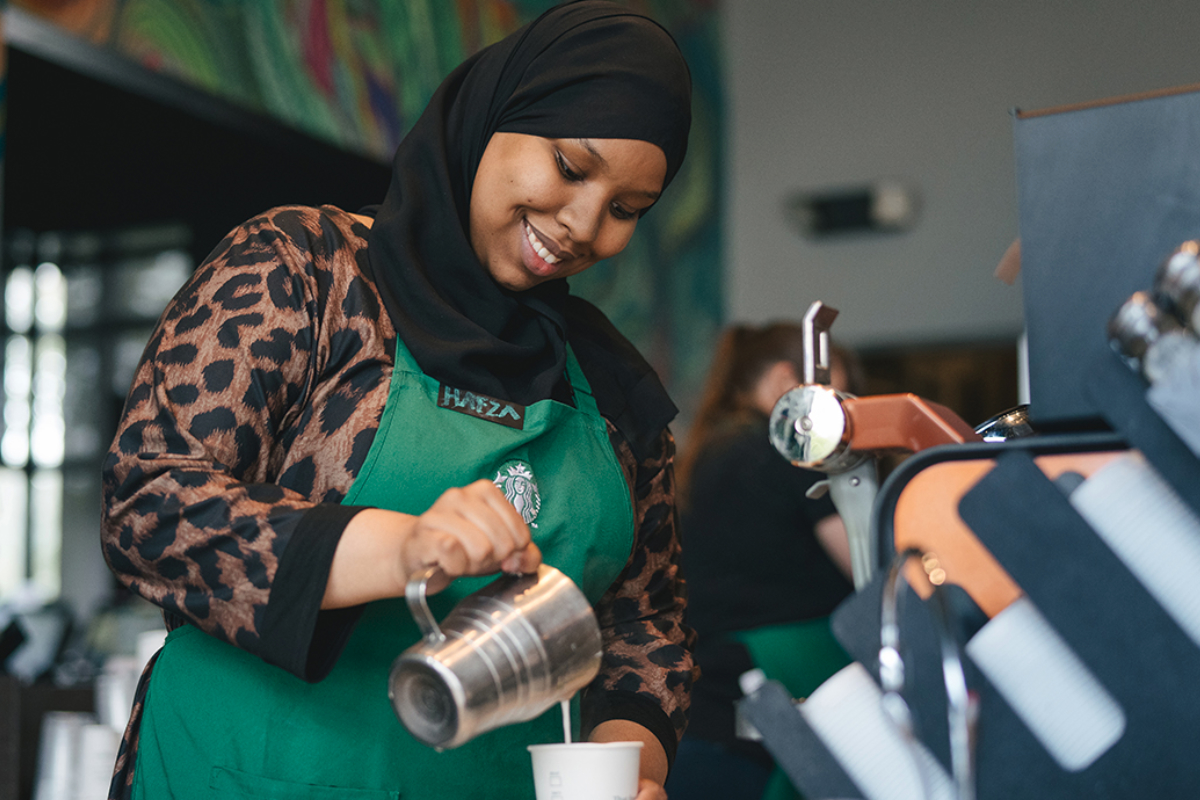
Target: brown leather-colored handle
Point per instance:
(926, 519)
(890, 422)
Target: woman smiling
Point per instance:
(286, 460)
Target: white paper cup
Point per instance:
(586, 770)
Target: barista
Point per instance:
(331, 402)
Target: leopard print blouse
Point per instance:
(252, 411)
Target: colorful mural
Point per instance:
(3, 91)
(3, 113)
(357, 73)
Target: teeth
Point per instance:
(540, 248)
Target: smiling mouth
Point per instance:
(539, 247)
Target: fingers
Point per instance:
(491, 512)
(523, 561)
(649, 790)
(472, 530)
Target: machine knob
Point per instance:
(809, 427)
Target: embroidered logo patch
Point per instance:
(511, 415)
(516, 480)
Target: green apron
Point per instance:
(800, 655)
(221, 723)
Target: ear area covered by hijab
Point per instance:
(586, 69)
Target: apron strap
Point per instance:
(404, 361)
(579, 385)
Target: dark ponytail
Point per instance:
(742, 355)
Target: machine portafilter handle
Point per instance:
(818, 427)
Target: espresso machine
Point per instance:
(1026, 620)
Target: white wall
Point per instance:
(843, 92)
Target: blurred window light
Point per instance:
(14, 498)
(45, 523)
(17, 401)
(76, 311)
(82, 414)
(18, 300)
(47, 434)
(50, 298)
(127, 354)
(144, 285)
(85, 293)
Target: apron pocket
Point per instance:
(232, 784)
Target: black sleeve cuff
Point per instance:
(296, 634)
(597, 706)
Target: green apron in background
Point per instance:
(801, 656)
(221, 723)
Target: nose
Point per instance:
(583, 217)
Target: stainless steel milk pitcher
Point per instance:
(504, 654)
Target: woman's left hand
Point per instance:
(649, 790)
(653, 758)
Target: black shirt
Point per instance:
(751, 558)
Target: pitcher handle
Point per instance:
(414, 593)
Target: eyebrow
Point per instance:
(586, 144)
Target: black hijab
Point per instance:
(588, 69)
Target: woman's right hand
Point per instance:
(469, 530)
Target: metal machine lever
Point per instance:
(818, 427)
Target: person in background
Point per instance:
(329, 406)
(765, 564)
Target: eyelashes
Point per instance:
(565, 169)
(574, 176)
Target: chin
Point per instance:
(516, 282)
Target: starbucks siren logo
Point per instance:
(516, 480)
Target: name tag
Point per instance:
(481, 406)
